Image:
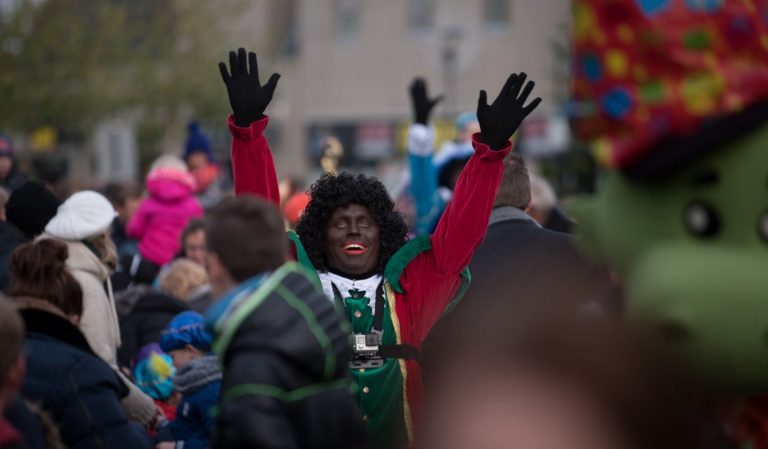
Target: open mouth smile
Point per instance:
(355, 248)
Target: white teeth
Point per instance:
(354, 246)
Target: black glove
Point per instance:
(247, 96)
(422, 105)
(502, 118)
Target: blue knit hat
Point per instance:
(186, 328)
(154, 372)
(197, 142)
(464, 119)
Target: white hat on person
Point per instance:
(83, 215)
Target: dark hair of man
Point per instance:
(117, 193)
(11, 337)
(333, 191)
(38, 270)
(194, 225)
(515, 187)
(248, 236)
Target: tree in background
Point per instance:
(71, 63)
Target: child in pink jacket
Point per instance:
(161, 217)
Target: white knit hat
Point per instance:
(85, 214)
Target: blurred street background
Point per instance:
(94, 90)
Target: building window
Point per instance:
(420, 15)
(347, 17)
(497, 12)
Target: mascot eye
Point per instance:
(762, 227)
(701, 220)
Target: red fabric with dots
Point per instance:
(644, 70)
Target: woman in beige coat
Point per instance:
(83, 224)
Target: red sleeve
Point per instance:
(433, 277)
(465, 220)
(252, 164)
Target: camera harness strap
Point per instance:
(396, 351)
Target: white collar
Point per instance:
(368, 285)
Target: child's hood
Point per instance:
(170, 186)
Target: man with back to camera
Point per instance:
(522, 271)
(281, 343)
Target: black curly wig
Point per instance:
(333, 191)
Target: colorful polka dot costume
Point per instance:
(645, 70)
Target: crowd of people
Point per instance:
(198, 312)
(147, 325)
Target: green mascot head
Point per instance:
(674, 96)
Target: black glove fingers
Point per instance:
(242, 62)
(436, 100)
(413, 88)
(224, 73)
(254, 66)
(528, 109)
(526, 92)
(482, 101)
(508, 85)
(515, 92)
(420, 90)
(233, 64)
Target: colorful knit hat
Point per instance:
(650, 72)
(186, 328)
(154, 371)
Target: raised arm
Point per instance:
(421, 139)
(252, 163)
(464, 222)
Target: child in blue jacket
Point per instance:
(198, 379)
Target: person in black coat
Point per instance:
(143, 313)
(521, 265)
(11, 177)
(10, 238)
(27, 212)
(281, 342)
(64, 376)
(522, 272)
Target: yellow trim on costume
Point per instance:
(396, 325)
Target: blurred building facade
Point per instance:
(347, 64)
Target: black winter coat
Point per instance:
(10, 238)
(26, 423)
(143, 314)
(15, 178)
(519, 264)
(78, 389)
(286, 378)
(521, 273)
